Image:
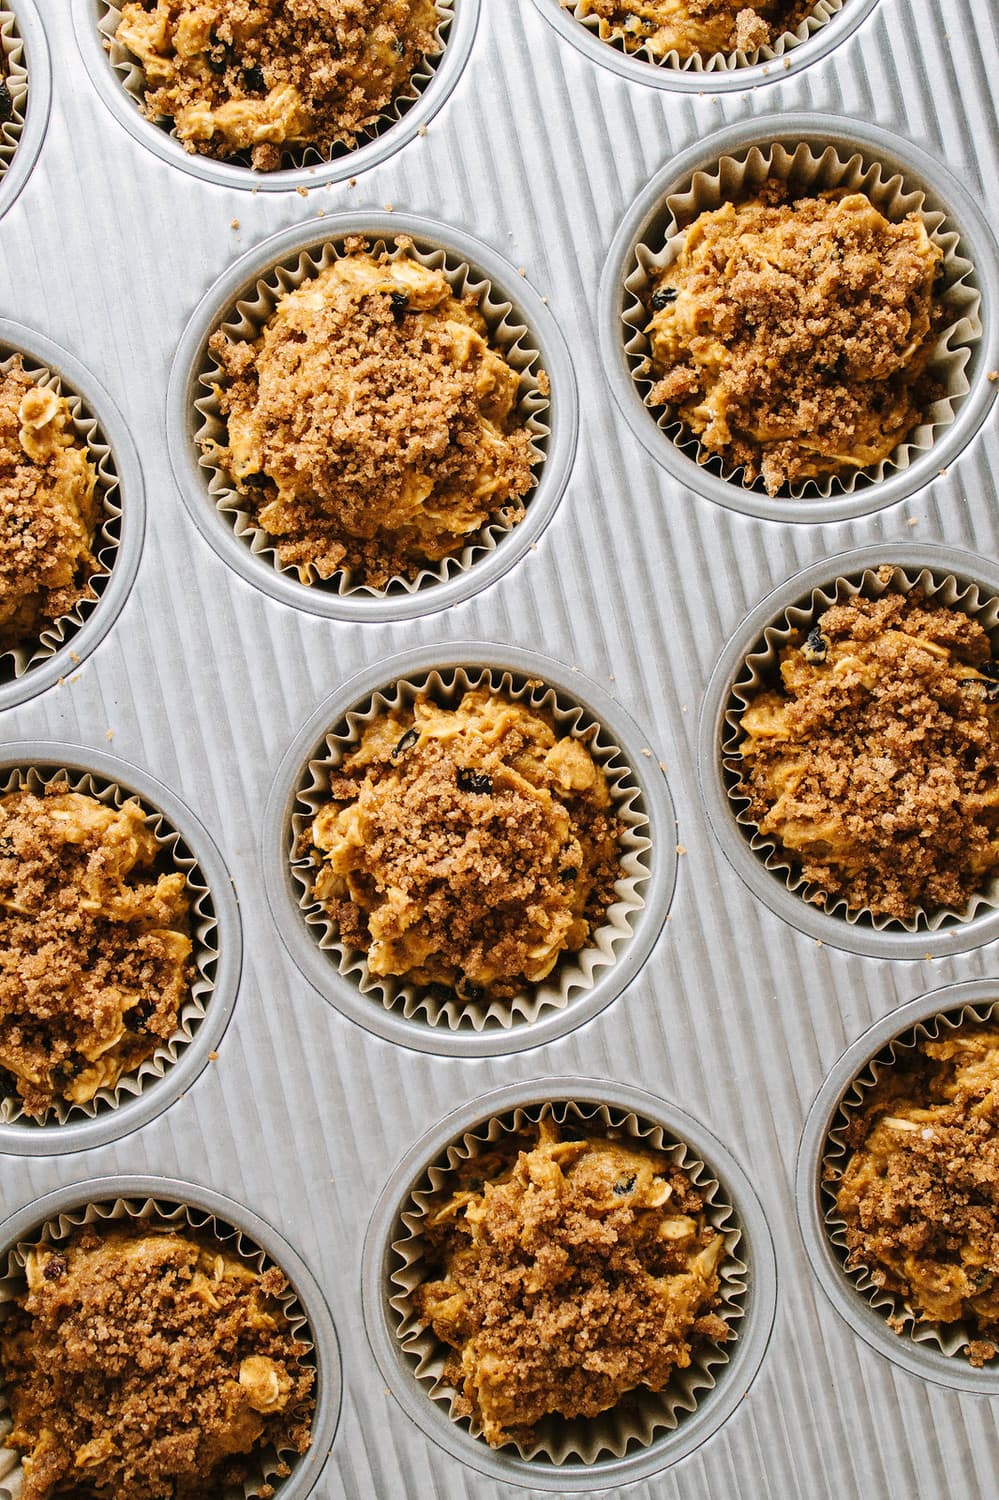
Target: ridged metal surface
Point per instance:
(203, 682)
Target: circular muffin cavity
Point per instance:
(565, 1282)
(860, 384)
(13, 87)
(860, 749)
(416, 429)
(111, 938)
(223, 1399)
(276, 91)
(62, 500)
(469, 848)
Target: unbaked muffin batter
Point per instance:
(692, 26)
(371, 427)
(875, 764)
(94, 946)
(571, 1272)
(263, 76)
(793, 337)
(148, 1364)
(469, 847)
(920, 1193)
(48, 509)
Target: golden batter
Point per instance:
(572, 1272)
(688, 27)
(264, 76)
(469, 847)
(370, 426)
(793, 338)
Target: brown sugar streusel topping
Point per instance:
(920, 1192)
(266, 76)
(793, 336)
(48, 509)
(467, 847)
(94, 946)
(371, 426)
(153, 1364)
(567, 1273)
(875, 764)
(690, 27)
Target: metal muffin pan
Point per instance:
(539, 155)
(39, 71)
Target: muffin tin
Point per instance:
(544, 154)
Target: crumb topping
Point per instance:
(920, 1192)
(687, 27)
(371, 426)
(94, 946)
(48, 509)
(570, 1272)
(794, 337)
(875, 764)
(469, 847)
(263, 76)
(144, 1363)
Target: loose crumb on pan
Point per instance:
(564, 1273)
(48, 509)
(874, 764)
(371, 426)
(153, 1364)
(920, 1192)
(267, 76)
(467, 847)
(692, 27)
(793, 336)
(94, 945)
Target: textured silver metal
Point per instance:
(38, 64)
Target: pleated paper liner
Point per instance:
(761, 669)
(14, 73)
(712, 63)
(809, 170)
(183, 1218)
(128, 70)
(576, 973)
(107, 536)
(641, 1416)
(175, 855)
(246, 319)
(947, 1340)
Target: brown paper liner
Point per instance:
(575, 973)
(15, 75)
(641, 1415)
(738, 178)
(761, 669)
(232, 1240)
(204, 955)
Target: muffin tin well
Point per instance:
(29, 82)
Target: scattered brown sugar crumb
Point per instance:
(371, 427)
(875, 764)
(689, 27)
(920, 1192)
(469, 847)
(570, 1272)
(793, 338)
(94, 946)
(267, 76)
(48, 509)
(147, 1364)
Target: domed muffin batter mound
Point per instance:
(370, 426)
(48, 509)
(469, 847)
(920, 1193)
(571, 1272)
(794, 338)
(875, 765)
(264, 76)
(94, 946)
(692, 26)
(148, 1364)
